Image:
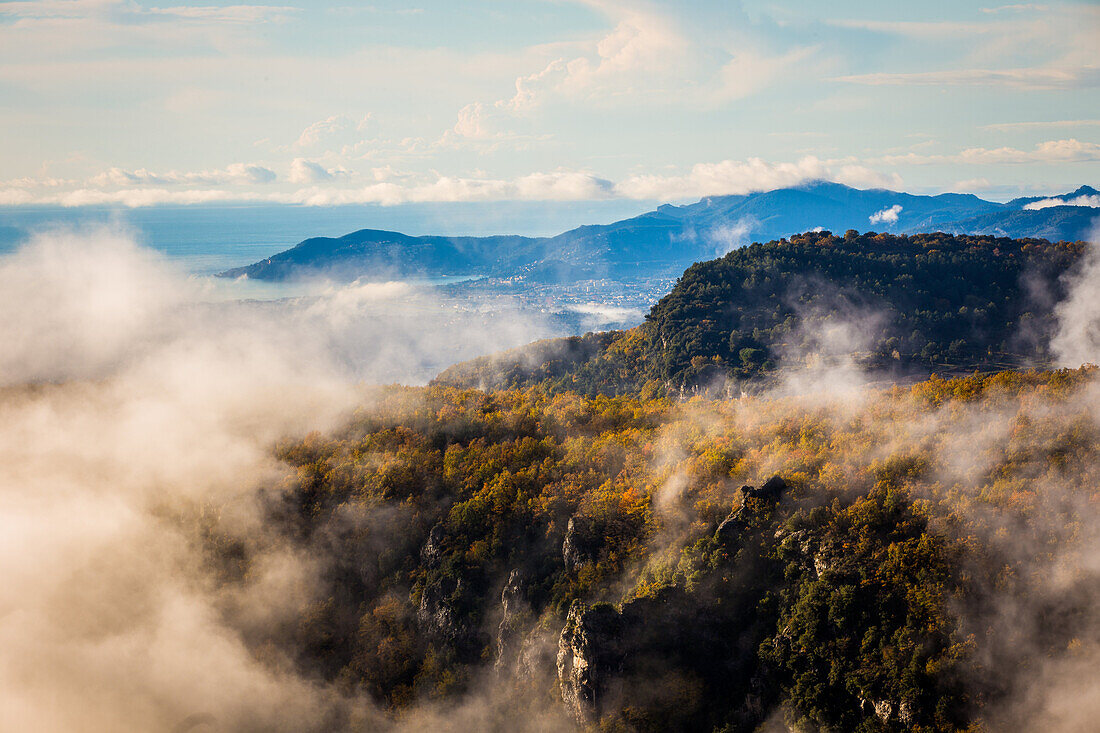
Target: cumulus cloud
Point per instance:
(554, 186)
(309, 171)
(388, 187)
(740, 177)
(338, 129)
(481, 121)
(312, 134)
(134, 197)
(1092, 201)
(237, 173)
(886, 216)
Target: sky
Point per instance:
(137, 103)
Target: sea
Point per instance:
(207, 239)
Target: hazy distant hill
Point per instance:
(665, 241)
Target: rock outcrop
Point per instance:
(436, 613)
(432, 551)
(581, 543)
(514, 619)
(752, 500)
(589, 659)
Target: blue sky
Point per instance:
(128, 102)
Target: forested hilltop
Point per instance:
(897, 305)
(905, 559)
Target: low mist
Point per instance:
(137, 418)
(132, 409)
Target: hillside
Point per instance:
(896, 304)
(632, 564)
(667, 240)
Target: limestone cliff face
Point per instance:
(589, 659)
(672, 653)
(515, 618)
(581, 543)
(436, 614)
(432, 551)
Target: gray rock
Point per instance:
(432, 551)
(772, 489)
(730, 528)
(436, 614)
(588, 659)
(515, 616)
(580, 544)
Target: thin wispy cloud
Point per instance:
(133, 10)
(1040, 125)
(1082, 77)
(1051, 151)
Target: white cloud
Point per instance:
(320, 184)
(309, 171)
(886, 216)
(474, 120)
(727, 237)
(555, 186)
(491, 121)
(322, 128)
(237, 173)
(563, 186)
(137, 197)
(647, 57)
(1051, 151)
(1090, 201)
(17, 197)
(312, 134)
(739, 177)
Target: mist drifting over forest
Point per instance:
(546, 366)
(170, 544)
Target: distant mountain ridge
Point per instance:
(665, 241)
